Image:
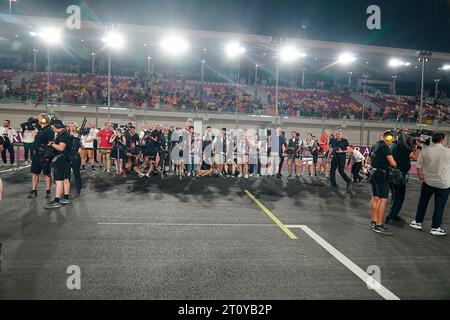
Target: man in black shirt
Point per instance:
(292, 154)
(60, 164)
(338, 149)
(402, 155)
(133, 137)
(281, 149)
(40, 156)
(381, 159)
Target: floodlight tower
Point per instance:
(423, 57)
(234, 50)
(113, 40)
(436, 87)
(366, 76)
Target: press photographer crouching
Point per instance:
(407, 146)
(41, 154)
(60, 164)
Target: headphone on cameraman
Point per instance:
(389, 135)
(44, 118)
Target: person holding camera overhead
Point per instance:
(28, 135)
(60, 164)
(118, 152)
(42, 155)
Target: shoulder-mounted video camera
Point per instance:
(411, 138)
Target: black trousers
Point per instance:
(356, 168)
(75, 165)
(27, 150)
(280, 166)
(440, 199)
(397, 199)
(10, 150)
(338, 163)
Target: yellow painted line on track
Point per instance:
(272, 216)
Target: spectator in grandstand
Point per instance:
(87, 146)
(9, 134)
(338, 152)
(28, 136)
(118, 151)
(433, 168)
(104, 138)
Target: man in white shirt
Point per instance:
(358, 161)
(8, 134)
(143, 131)
(433, 169)
(87, 143)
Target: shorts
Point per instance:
(219, 158)
(38, 166)
(380, 184)
(118, 154)
(61, 169)
(242, 159)
(87, 153)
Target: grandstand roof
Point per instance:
(320, 54)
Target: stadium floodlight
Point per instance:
(290, 53)
(394, 63)
(174, 45)
(114, 40)
(33, 34)
(234, 49)
(51, 35)
(346, 58)
(446, 67)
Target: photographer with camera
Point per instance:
(433, 169)
(381, 160)
(73, 154)
(404, 149)
(9, 134)
(60, 164)
(29, 131)
(118, 152)
(88, 137)
(42, 155)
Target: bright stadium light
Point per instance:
(174, 45)
(446, 67)
(290, 53)
(50, 35)
(234, 49)
(33, 34)
(398, 63)
(114, 40)
(346, 58)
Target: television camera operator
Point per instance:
(60, 164)
(407, 146)
(41, 154)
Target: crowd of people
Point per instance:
(142, 93)
(58, 149)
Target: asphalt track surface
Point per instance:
(213, 238)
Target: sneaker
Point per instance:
(82, 170)
(52, 205)
(438, 232)
(382, 230)
(372, 224)
(25, 163)
(189, 174)
(93, 170)
(416, 225)
(65, 201)
(48, 195)
(140, 174)
(32, 195)
(240, 175)
(246, 176)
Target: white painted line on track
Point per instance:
(188, 224)
(15, 169)
(360, 273)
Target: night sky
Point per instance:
(409, 24)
